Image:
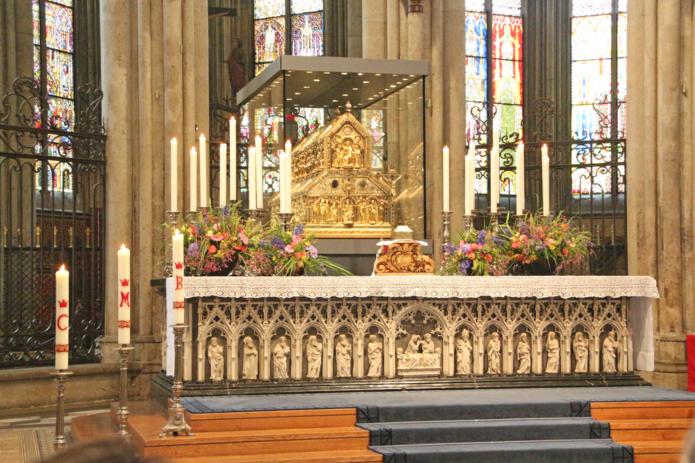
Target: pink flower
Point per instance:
(242, 236)
(289, 248)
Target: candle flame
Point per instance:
(62, 268)
(173, 140)
(123, 247)
(545, 146)
(446, 148)
(176, 231)
(223, 145)
(202, 136)
(194, 152)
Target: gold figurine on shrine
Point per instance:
(335, 191)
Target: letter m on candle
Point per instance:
(125, 299)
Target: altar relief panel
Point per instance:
(342, 339)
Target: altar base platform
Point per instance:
(609, 424)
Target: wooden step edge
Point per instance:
(335, 456)
(269, 414)
(658, 404)
(657, 447)
(652, 424)
(240, 437)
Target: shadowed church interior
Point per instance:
(302, 231)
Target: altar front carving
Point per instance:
(276, 329)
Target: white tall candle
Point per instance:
(259, 172)
(520, 179)
(288, 175)
(469, 178)
(62, 341)
(223, 174)
(232, 158)
(178, 268)
(545, 176)
(494, 176)
(193, 199)
(445, 179)
(123, 295)
(285, 187)
(203, 154)
(251, 177)
(174, 175)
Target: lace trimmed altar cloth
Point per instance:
(641, 290)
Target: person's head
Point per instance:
(214, 341)
(372, 337)
(551, 335)
(248, 342)
(282, 340)
(428, 337)
(523, 337)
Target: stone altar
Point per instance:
(417, 326)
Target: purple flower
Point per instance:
(193, 249)
(313, 252)
(277, 243)
(298, 230)
(448, 248)
(464, 265)
(481, 236)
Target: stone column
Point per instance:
(434, 125)
(455, 103)
(117, 113)
(660, 171)
(374, 28)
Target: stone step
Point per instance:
(275, 419)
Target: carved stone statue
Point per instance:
(374, 355)
(281, 352)
(552, 346)
(580, 346)
(216, 359)
(610, 352)
(427, 345)
(313, 357)
(250, 363)
(494, 354)
(413, 345)
(523, 355)
(343, 357)
(464, 348)
(236, 63)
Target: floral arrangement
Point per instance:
(546, 245)
(223, 242)
(536, 245)
(477, 253)
(288, 253)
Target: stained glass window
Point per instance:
(494, 49)
(304, 21)
(598, 94)
(53, 35)
(373, 120)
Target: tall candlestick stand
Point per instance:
(468, 221)
(59, 442)
(124, 352)
(172, 220)
(285, 220)
(191, 216)
(446, 227)
(177, 425)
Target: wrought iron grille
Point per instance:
(52, 191)
(587, 175)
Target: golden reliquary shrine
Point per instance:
(335, 191)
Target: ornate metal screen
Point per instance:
(52, 194)
(587, 175)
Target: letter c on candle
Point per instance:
(60, 320)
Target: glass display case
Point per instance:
(358, 131)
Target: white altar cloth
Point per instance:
(641, 290)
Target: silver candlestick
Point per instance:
(124, 352)
(446, 227)
(468, 221)
(177, 426)
(285, 220)
(59, 442)
(172, 220)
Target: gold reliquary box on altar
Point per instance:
(335, 191)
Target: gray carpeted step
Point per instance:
(430, 432)
(552, 451)
(426, 412)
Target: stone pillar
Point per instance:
(354, 29)
(358, 357)
(455, 103)
(660, 172)
(117, 112)
(434, 125)
(374, 28)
